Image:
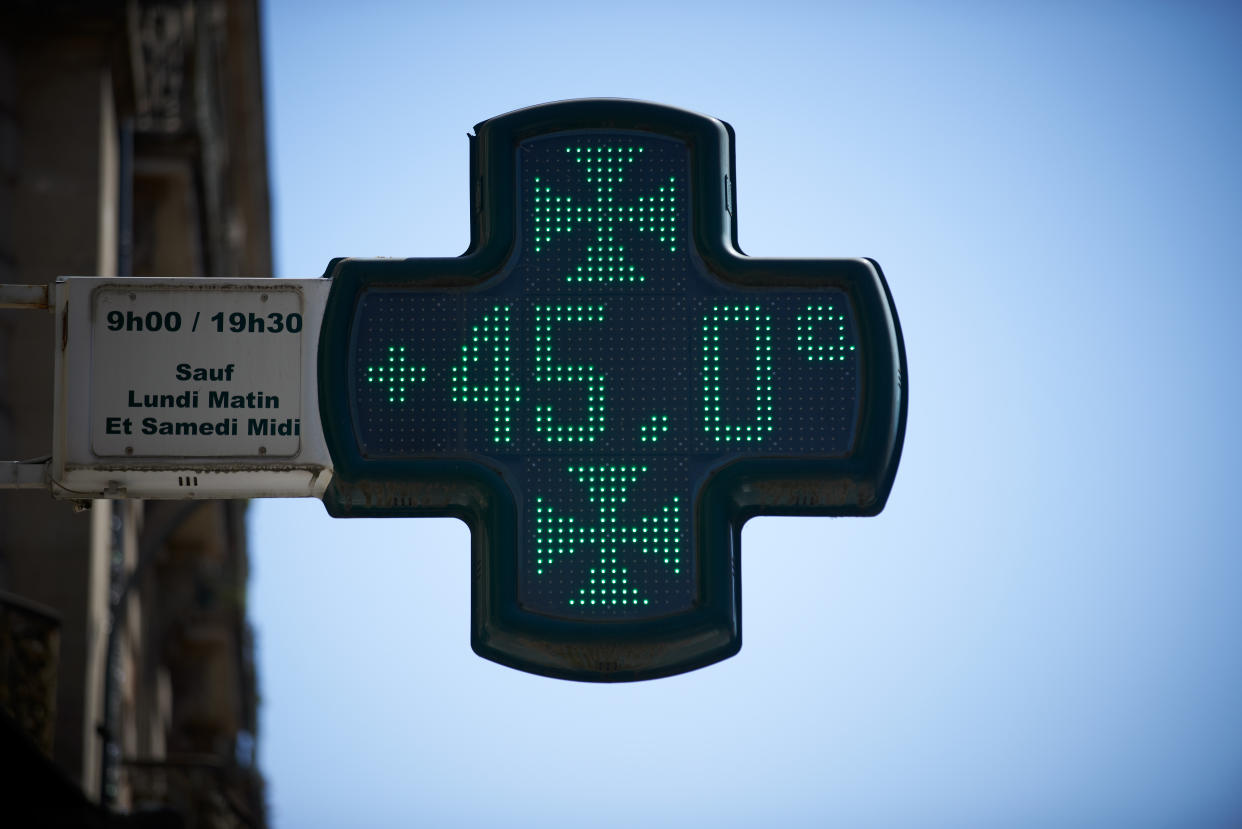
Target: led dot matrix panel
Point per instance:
(595, 391)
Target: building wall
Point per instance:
(132, 137)
(60, 107)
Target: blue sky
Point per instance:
(1040, 629)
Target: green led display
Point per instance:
(610, 371)
(606, 390)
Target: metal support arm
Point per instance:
(32, 297)
(24, 474)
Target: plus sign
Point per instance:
(605, 388)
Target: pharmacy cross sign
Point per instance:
(604, 388)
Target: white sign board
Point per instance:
(188, 388)
(202, 373)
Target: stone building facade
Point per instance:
(132, 141)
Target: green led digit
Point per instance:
(485, 374)
(832, 324)
(761, 423)
(549, 371)
(395, 375)
(604, 169)
(608, 581)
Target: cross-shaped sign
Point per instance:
(605, 389)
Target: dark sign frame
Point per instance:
(475, 491)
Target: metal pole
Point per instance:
(32, 297)
(152, 540)
(117, 591)
(116, 573)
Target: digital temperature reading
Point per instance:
(605, 389)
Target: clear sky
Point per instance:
(1042, 627)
